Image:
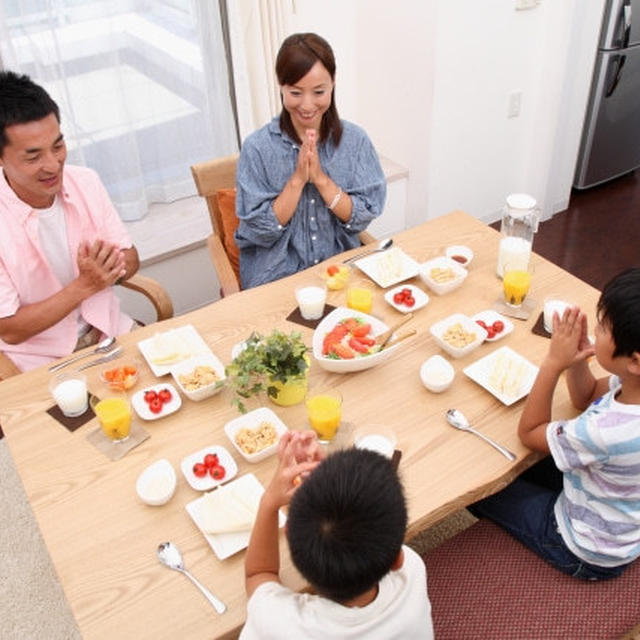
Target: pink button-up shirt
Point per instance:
(25, 274)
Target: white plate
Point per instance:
(207, 482)
(252, 420)
(418, 294)
(517, 369)
(142, 408)
(191, 343)
(380, 267)
(489, 317)
(356, 364)
(226, 544)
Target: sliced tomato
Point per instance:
(342, 351)
(351, 324)
(368, 341)
(356, 345)
(361, 330)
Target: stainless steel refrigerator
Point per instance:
(610, 143)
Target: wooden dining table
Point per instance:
(102, 540)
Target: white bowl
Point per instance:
(437, 374)
(462, 252)
(355, 364)
(442, 262)
(157, 483)
(418, 294)
(252, 420)
(187, 366)
(468, 325)
(375, 437)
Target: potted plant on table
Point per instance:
(277, 363)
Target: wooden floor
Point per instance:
(599, 234)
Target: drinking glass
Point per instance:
(360, 298)
(69, 390)
(311, 300)
(516, 282)
(324, 410)
(114, 415)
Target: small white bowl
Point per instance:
(157, 483)
(252, 420)
(437, 374)
(442, 262)
(188, 366)
(460, 254)
(420, 297)
(376, 438)
(468, 325)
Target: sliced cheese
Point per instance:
(169, 347)
(221, 511)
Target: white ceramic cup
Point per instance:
(311, 300)
(552, 304)
(69, 390)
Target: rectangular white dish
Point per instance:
(389, 267)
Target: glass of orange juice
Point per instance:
(324, 410)
(516, 282)
(360, 298)
(114, 414)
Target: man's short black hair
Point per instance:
(619, 308)
(347, 523)
(21, 101)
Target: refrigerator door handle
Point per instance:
(627, 14)
(620, 60)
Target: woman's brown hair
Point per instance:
(298, 53)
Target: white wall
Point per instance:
(430, 79)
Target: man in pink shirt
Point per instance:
(62, 244)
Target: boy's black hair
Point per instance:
(21, 101)
(619, 308)
(347, 523)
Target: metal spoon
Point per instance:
(383, 245)
(458, 420)
(102, 347)
(170, 556)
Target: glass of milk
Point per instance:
(69, 390)
(553, 304)
(311, 300)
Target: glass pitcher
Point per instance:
(520, 218)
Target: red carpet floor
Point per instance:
(483, 584)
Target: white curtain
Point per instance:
(257, 29)
(142, 87)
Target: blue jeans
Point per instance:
(525, 509)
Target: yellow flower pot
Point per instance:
(293, 391)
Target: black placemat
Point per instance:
(296, 316)
(538, 327)
(71, 424)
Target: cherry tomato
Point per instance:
(164, 395)
(218, 472)
(498, 326)
(199, 470)
(409, 301)
(155, 406)
(332, 269)
(490, 332)
(406, 292)
(150, 396)
(398, 298)
(211, 460)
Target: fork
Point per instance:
(116, 353)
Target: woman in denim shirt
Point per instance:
(307, 182)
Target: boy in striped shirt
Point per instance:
(582, 514)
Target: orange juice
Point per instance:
(360, 299)
(115, 417)
(324, 412)
(516, 285)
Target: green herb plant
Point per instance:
(266, 359)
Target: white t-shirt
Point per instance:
(52, 230)
(401, 610)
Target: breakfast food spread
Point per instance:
(201, 376)
(255, 440)
(456, 336)
(350, 338)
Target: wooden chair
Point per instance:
(148, 287)
(209, 177)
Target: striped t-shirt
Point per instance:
(598, 510)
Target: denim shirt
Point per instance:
(269, 250)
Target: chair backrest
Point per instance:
(219, 173)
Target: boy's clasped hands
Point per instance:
(570, 342)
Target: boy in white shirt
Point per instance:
(345, 529)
